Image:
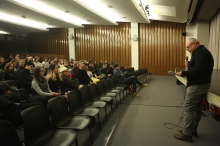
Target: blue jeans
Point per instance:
(192, 107)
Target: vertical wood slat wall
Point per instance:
(161, 46)
(104, 42)
(54, 41)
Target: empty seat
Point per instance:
(39, 131)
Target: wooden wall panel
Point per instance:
(103, 42)
(161, 46)
(54, 41)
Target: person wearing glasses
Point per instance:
(198, 75)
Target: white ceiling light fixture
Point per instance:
(23, 22)
(99, 8)
(41, 7)
(3, 32)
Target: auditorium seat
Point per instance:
(62, 118)
(39, 131)
(77, 108)
(96, 90)
(8, 135)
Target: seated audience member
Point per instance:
(111, 68)
(20, 66)
(66, 64)
(11, 105)
(45, 63)
(104, 70)
(74, 69)
(94, 77)
(82, 75)
(36, 61)
(69, 84)
(29, 59)
(24, 77)
(10, 58)
(55, 80)
(2, 63)
(130, 80)
(9, 73)
(40, 84)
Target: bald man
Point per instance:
(198, 75)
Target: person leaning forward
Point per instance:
(198, 75)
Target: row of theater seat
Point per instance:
(74, 112)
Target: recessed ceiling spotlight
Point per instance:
(67, 11)
(88, 20)
(110, 7)
(124, 17)
(23, 16)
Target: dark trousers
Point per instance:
(131, 80)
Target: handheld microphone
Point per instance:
(187, 58)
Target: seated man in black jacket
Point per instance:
(69, 83)
(24, 77)
(82, 75)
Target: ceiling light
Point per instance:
(24, 22)
(41, 7)
(99, 8)
(3, 32)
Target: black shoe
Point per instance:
(183, 137)
(193, 134)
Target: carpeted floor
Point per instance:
(142, 122)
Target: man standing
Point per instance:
(198, 76)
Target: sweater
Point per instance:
(41, 88)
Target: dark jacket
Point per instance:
(119, 75)
(25, 79)
(56, 86)
(82, 76)
(10, 75)
(14, 96)
(69, 84)
(200, 67)
(19, 69)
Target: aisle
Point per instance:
(143, 118)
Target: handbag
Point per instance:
(131, 91)
(215, 111)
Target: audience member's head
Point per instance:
(39, 73)
(104, 65)
(81, 64)
(117, 66)
(2, 59)
(9, 67)
(21, 63)
(29, 65)
(53, 73)
(63, 70)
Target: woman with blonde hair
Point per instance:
(9, 73)
(55, 80)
